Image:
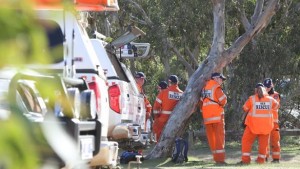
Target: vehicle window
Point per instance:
(131, 79)
(118, 67)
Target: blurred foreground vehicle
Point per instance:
(68, 39)
(64, 93)
(46, 102)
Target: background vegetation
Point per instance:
(188, 27)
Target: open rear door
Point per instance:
(128, 49)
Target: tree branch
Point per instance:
(219, 27)
(257, 11)
(261, 23)
(185, 63)
(191, 55)
(135, 19)
(144, 14)
(245, 22)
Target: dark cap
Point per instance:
(173, 78)
(140, 75)
(259, 85)
(163, 84)
(220, 75)
(268, 82)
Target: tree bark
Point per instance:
(217, 59)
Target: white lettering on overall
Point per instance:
(207, 93)
(174, 95)
(263, 105)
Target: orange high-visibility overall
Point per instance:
(163, 106)
(275, 133)
(213, 101)
(259, 123)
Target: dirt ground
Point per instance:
(200, 157)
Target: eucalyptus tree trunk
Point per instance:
(216, 60)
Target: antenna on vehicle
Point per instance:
(73, 70)
(65, 69)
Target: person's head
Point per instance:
(268, 83)
(140, 78)
(260, 90)
(218, 77)
(173, 79)
(162, 85)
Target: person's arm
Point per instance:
(158, 103)
(275, 105)
(277, 98)
(222, 98)
(246, 108)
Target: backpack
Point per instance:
(180, 151)
(127, 156)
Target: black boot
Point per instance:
(275, 161)
(186, 159)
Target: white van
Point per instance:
(127, 107)
(80, 60)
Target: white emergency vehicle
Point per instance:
(127, 107)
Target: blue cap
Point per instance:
(259, 85)
(173, 78)
(220, 75)
(140, 75)
(163, 84)
(268, 82)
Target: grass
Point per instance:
(200, 157)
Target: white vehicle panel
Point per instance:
(131, 102)
(79, 48)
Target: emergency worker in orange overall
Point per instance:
(164, 104)
(161, 86)
(275, 134)
(140, 80)
(213, 102)
(259, 123)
